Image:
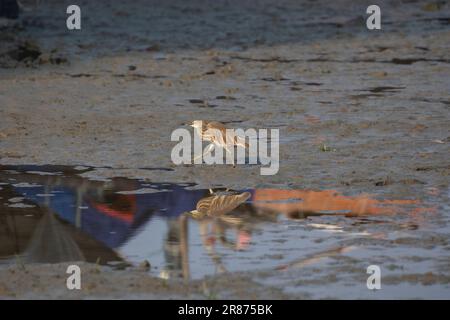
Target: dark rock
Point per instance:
(144, 265)
(9, 9)
(153, 48)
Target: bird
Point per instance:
(218, 204)
(216, 133)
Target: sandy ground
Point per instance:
(109, 96)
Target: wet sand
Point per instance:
(110, 96)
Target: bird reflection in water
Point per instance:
(214, 217)
(104, 219)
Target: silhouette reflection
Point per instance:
(52, 214)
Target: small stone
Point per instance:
(57, 60)
(153, 48)
(44, 58)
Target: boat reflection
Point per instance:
(303, 203)
(50, 215)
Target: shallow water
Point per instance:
(52, 214)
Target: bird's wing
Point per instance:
(215, 131)
(204, 204)
(215, 125)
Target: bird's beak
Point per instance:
(194, 214)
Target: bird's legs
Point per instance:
(209, 148)
(228, 150)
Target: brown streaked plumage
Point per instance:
(218, 205)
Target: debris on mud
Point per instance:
(26, 51)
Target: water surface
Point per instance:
(52, 214)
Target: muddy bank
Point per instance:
(48, 281)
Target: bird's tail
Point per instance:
(239, 141)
